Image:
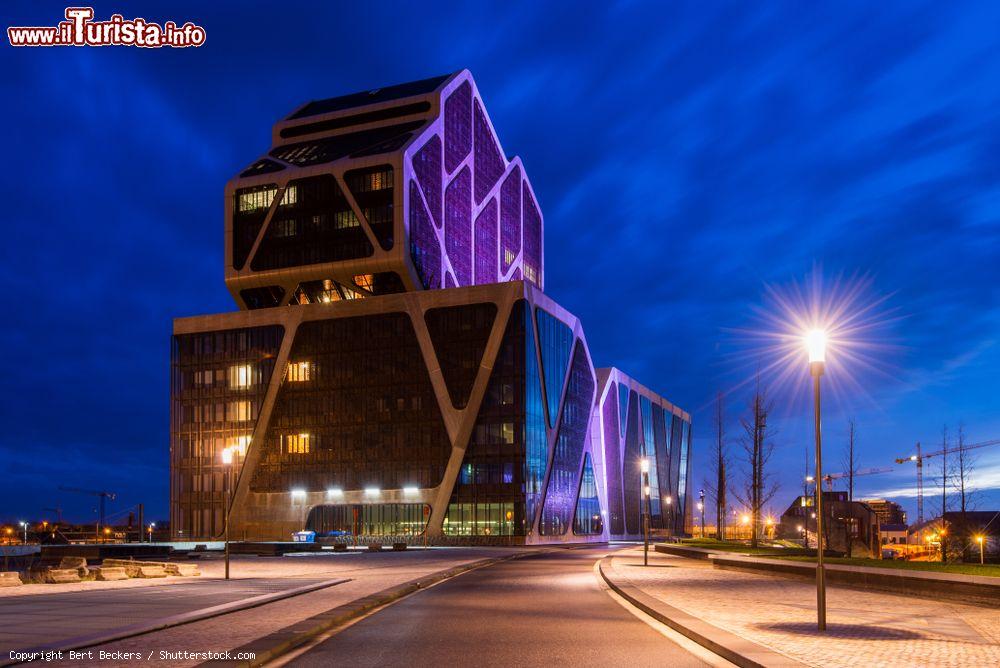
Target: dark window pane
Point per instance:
(313, 224)
(588, 520)
(373, 189)
(459, 335)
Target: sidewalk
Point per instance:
(863, 628)
(367, 573)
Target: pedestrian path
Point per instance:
(863, 628)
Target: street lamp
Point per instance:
(669, 500)
(149, 530)
(644, 467)
(979, 539)
(227, 461)
(24, 525)
(815, 341)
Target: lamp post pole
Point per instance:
(670, 514)
(979, 539)
(645, 511)
(24, 525)
(701, 507)
(816, 341)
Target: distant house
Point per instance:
(889, 512)
(847, 525)
(893, 534)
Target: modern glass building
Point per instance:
(395, 369)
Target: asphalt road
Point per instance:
(542, 610)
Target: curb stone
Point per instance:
(733, 648)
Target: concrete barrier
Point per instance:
(134, 568)
(340, 547)
(182, 570)
(107, 573)
(62, 575)
(10, 579)
(78, 563)
(398, 547)
(375, 547)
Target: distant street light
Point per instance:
(979, 539)
(149, 530)
(227, 461)
(701, 507)
(815, 341)
(24, 525)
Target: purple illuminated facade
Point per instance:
(395, 368)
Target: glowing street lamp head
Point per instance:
(815, 341)
(745, 519)
(979, 539)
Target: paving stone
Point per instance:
(863, 628)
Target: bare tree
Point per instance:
(850, 466)
(759, 485)
(721, 457)
(945, 476)
(964, 468)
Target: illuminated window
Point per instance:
(256, 199)
(507, 433)
(238, 444)
(238, 411)
(364, 181)
(240, 376)
(530, 273)
(299, 372)
(291, 196)
(364, 281)
(297, 444)
(509, 256)
(345, 219)
(351, 294)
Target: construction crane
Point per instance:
(104, 496)
(919, 460)
(830, 477)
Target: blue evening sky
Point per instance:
(685, 155)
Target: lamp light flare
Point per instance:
(227, 456)
(816, 340)
(644, 464)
